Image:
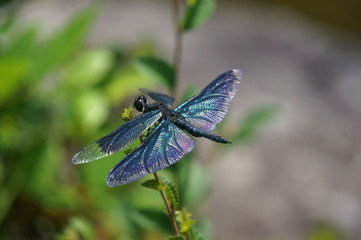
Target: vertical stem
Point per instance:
(177, 37)
(170, 210)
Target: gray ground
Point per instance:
(304, 168)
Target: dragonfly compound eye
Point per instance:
(139, 103)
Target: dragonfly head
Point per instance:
(140, 103)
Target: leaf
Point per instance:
(158, 69)
(194, 183)
(152, 219)
(198, 12)
(172, 193)
(184, 218)
(176, 238)
(64, 43)
(325, 232)
(154, 184)
(22, 43)
(254, 121)
(91, 110)
(12, 71)
(78, 228)
(127, 114)
(189, 92)
(88, 69)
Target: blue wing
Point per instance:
(159, 97)
(206, 109)
(118, 139)
(163, 147)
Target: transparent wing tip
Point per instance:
(77, 160)
(236, 72)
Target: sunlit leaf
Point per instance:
(127, 114)
(88, 69)
(92, 109)
(198, 12)
(125, 83)
(184, 219)
(12, 71)
(157, 69)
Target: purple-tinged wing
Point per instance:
(163, 147)
(118, 139)
(206, 109)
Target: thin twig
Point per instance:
(170, 210)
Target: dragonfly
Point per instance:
(173, 134)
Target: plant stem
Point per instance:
(177, 37)
(170, 210)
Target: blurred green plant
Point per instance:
(325, 231)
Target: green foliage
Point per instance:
(198, 11)
(176, 238)
(64, 43)
(256, 120)
(158, 69)
(184, 218)
(127, 114)
(172, 193)
(77, 229)
(193, 182)
(325, 232)
(154, 184)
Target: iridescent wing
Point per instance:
(118, 139)
(206, 109)
(159, 97)
(163, 147)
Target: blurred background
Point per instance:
(293, 171)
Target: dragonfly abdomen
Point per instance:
(196, 132)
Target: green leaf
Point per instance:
(153, 184)
(64, 43)
(12, 71)
(152, 219)
(172, 193)
(91, 110)
(184, 219)
(88, 69)
(176, 238)
(78, 228)
(254, 122)
(157, 69)
(189, 92)
(325, 232)
(23, 43)
(198, 12)
(194, 183)
(127, 114)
